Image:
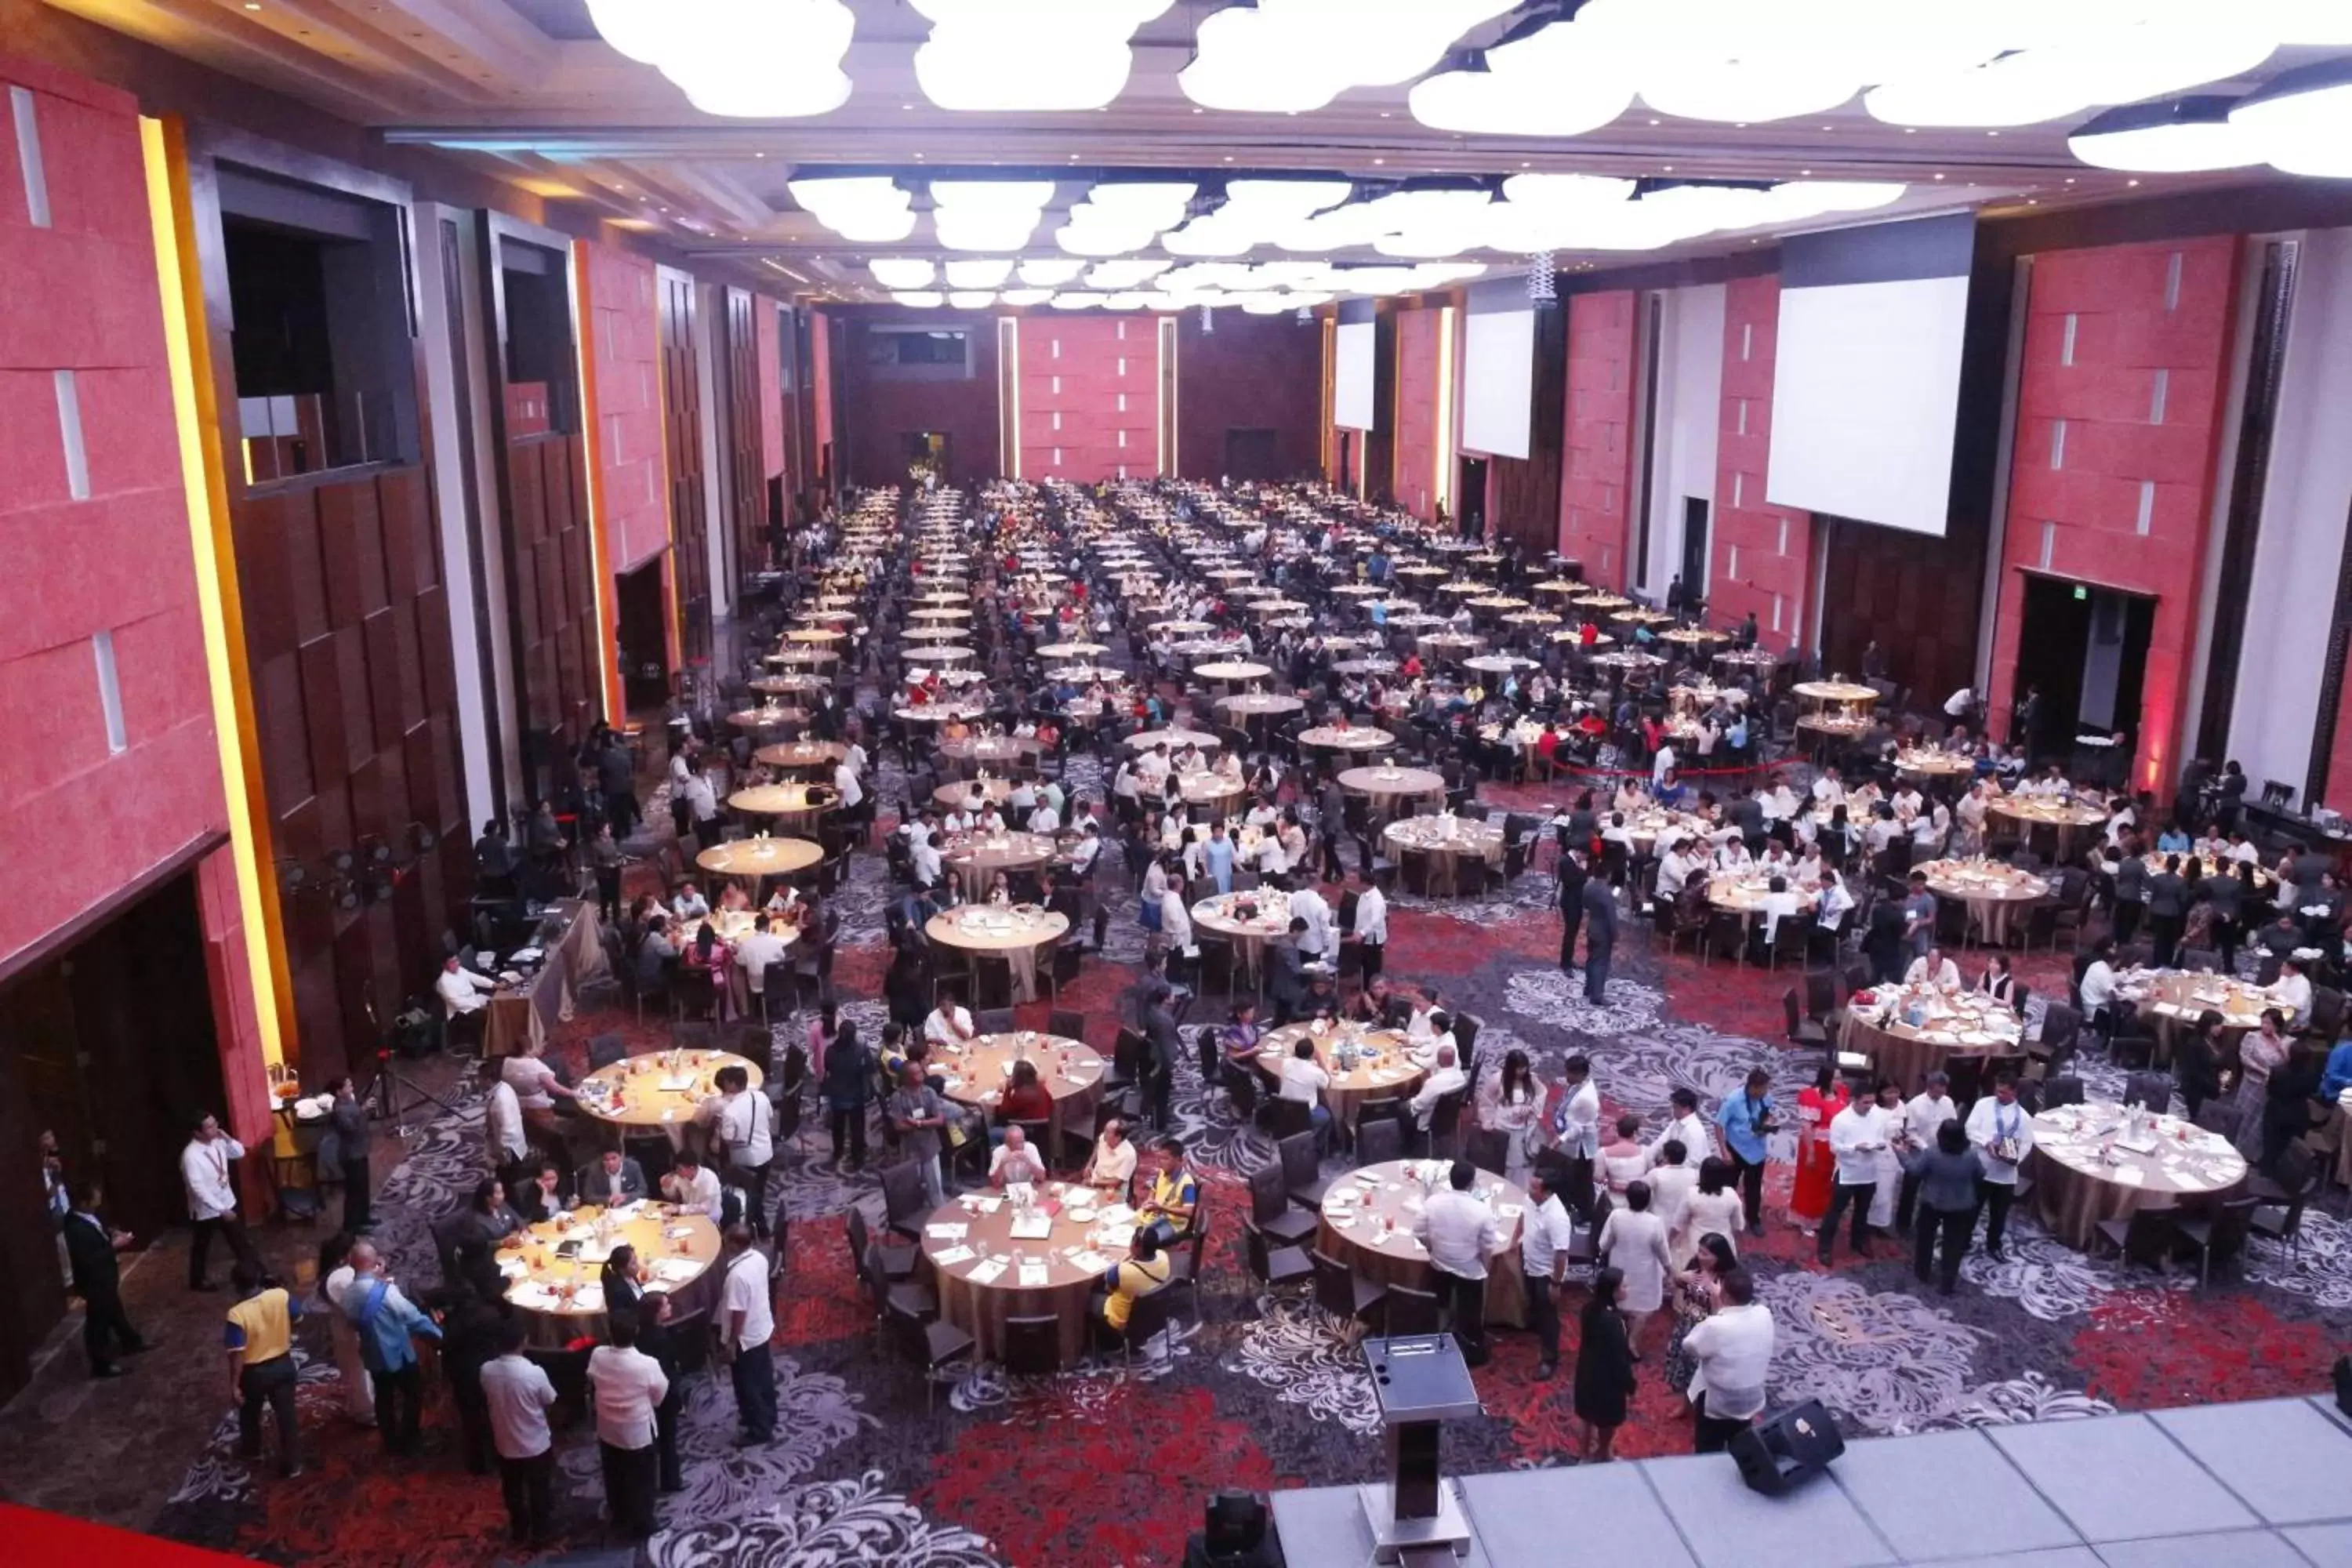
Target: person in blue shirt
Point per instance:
(1219, 854)
(2337, 1076)
(1378, 566)
(1380, 613)
(1747, 1120)
(2174, 840)
(388, 1324)
(1737, 736)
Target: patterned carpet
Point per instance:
(1101, 1465)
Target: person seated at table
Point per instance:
(1446, 1077)
(988, 819)
(734, 899)
(1932, 968)
(1731, 857)
(691, 1184)
(1025, 1095)
(999, 890)
(1776, 904)
(537, 1088)
(1228, 767)
(1111, 1169)
(955, 729)
(689, 904)
(1996, 980)
(535, 1190)
(706, 954)
(612, 1179)
(2292, 992)
(1304, 1081)
(1239, 1038)
(1015, 1163)
(950, 1023)
(1175, 1190)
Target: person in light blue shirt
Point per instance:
(1737, 736)
(2174, 840)
(1380, 613)
(1219, 854)
(2337, 1076)
(388, 1324)
(1748, 1121)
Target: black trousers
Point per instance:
(1995, 1197)
(629, 1477)
(753, 1180)
(754, 1375)
(399, 1406)
(1596, 971)
(270, 1383)
(1371, 952)
(1955, 1225)
(1328, 848)
(106, 1330)
(849, 1131)
(1840, 1195)
(230, 1228)
(1543, 1315)
(1468, 1299)
(1569, 926)
(621, 810)
(2127, 914)
(1713, 1434)
(529, 1486)
(1751, 1187)
(359, 1194)
(2164, 932)
(672, 1475)
(474, 1434)
(608, 891)
(1907, 1202)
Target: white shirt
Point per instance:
(699, 1191)
(701, 798)
(518, 1392)
(628, 1385)
(745, 1122)
(2293, 993)
(1988, 1121)
(1693, 1132)
(844, 779)
(1957, 703)
(204, 1168)
(1581, 1122)
(1175, 920)
(1371, 917)
(1662, 765)
(924, 859)
(1026, 1167)
(1923, 1113)
(1046, 820)
(1733, 1353)
(1857, 1134)
(1828, 791)
(1543, 1234)
(1774, 906)
(1947, 975)
(461, 990)
(1836, 903)
(1459, 1231)
(503, 1120)
(746, 1292)
(529, 1076)
(1441, 1082)
(948, 1025)
(1674, 871)
(1307, 904)
(1303, 1080)
(755, 952)
(2098, 985)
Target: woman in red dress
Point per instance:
(1816, 1170)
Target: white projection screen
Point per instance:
(1351, 376)
(1866, 373)
(1499, 361)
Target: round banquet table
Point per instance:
(1447, 841)
(788, 685)
(1498, 664)
(985, 750)
(1450, 647)
(976, 857)
(1392, 789)
(1071, 1070)
(1964, 1024)
(1693, 637)
(1182, 629)
(785, 800)
(1213, 792)
(1072, 650)
(1012, 933)
(1927, 763)
(795, 755)
(2075, 1187)
(1174, 740)
(2173, 1000)
(1386, 1073)
(946, 654)
(1052, 1277)
(816, 636)
(559, 1299)
(1260, 705)
(1995, 894)
(930, 635)
(941, 613)
(2210, 866)
(767, 718)
(1355, 738)
(2064, 818)
(1232, 672)
(1368, 1218)
(1839, 691)
(941, 713)
(1218, 915)
(660, 1088)
(760, 856)
(961, 791)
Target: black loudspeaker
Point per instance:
(1778, 1453)
(2344, 1383)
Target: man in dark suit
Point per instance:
(1572, 878)
(1285, 981)
(612, 1179)
(93, 1248)
(1600, 936)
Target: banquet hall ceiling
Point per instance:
(531, 91)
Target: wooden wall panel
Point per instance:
(1522, 493)
(681, 399)
(742, 432)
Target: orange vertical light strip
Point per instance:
(673, 635)
(195, 412)
(1442, 486)
(608, 626)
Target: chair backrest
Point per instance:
(995, 1021)
(1033, 1345)
(1300, 1164)
(1790, 1011)
(1289, 1117)
(1412, 1311)
(2063, 1090)
(2326, 1012)
(1068, 1025)
(1821, 994)
(903, 1192)
(1445, 1116)
(1334, 1288)
(2153, 1089)
(1379, 1140)
(1241, 1086)
(604, 1050)
(2228, 1237)
(2221, 1117)
(860, 1237)
(1269, 1193)
(1489, 1148)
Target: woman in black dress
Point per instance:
(1604, 1367)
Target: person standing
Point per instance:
(1576, 1130)
(1543, 1258)
(629, 1387)
(1459, 1231)
(1572, 878)
(749, 1323)
(2003, 1134)
(1858, 1137)
(1604, 1367)
(742, 1126)
(519, 1392)
(1818, 1106)
(1731, 1355)
(1748, 1119)
(915, 1109)
(388, 1324)
(1600, 937)
(94, 1248)
(1947, 1178)
(1923, 1114)
(259, 1339)
(335, 1276)
(212, 1200)
(1372, 927)
(348, 1120)
(848, 1087)
(1633, 1240)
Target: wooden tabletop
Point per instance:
(677, 1247)
(997, 851)
(1375, 1208)
(997, 928)
(1232, 669)
(784, 799)
(2185, 1159)
(1386, 1069)
(802, 754)
(765, 857)
(658, 1088)
(976, 1070)
(1393, 781)
(1355, 738)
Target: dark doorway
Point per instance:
(2085, 650)
(1693, 570)
(111, 1045)
(1347, 461)
(645, 645)
(923, 456)
(1470, 497)
(1250, 454)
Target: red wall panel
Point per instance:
(1090, 398)
(884, 404)
(1254, 372)
(1749, 570)
(768, 340)
(2101, 490)
(1414, 482)
(1595, 508)
(825, 460)
(624, 361)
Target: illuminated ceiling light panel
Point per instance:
(1118, 275)
(866, 209)
(1026, 296)
(2302, 120)
(1051, 273)
(2176, 136)
(1118, 217)
(1028, 55)
(918, 299)
(1127, 301)
(752, 58)
(1077, 300)
(980, 274)
(971, 299)
(988, 215)
(1548, 83)
(1291, 56)
(2128, 50)
(901, 271)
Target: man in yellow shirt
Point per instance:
(259, 1339)
(1175, 1192)
(1145, 1271)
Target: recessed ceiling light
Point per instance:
(906, 106)
(1992, 133)
(1804, 171)
(2070, 179)
(253, 4)
(1910, 131)
(1380, 159)
(1653, 121)
(1229, 157)
(2131, 182)
(1197, 109)
(1386, 115)
(758, 154)
(1939, 176)
(1670, 168)
(1526, 165)
(918, 156)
